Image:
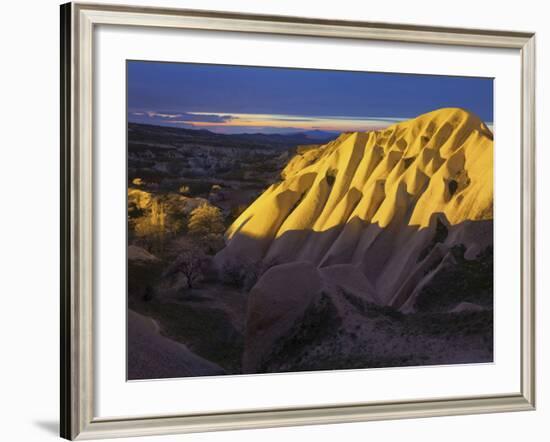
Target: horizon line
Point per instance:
(242, 123)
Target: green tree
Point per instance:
(205, 220)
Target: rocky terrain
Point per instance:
(370, 250)
(399, 218)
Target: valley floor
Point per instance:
(201, 332)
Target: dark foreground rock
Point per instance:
(152, 356)
(275, 304)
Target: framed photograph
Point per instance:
(272, 221)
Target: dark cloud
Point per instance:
(157, 116)
(209, 118)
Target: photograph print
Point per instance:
(288, 220)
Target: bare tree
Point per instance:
(190, 262)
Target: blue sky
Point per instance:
(239, 99)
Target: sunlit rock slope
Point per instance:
(379, 211)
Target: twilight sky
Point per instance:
(238, 99)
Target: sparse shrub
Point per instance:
(231, 272)
(184, 190)
(212, 242)
(242, 273)
(251, 275)
(467, 281)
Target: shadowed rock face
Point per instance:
(269, 317)
(442, 269)
(377, 215)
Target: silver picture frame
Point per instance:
(78, 21)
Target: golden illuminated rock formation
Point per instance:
(375, 201)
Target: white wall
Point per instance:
(29, 188)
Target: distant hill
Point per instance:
(150, 134)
